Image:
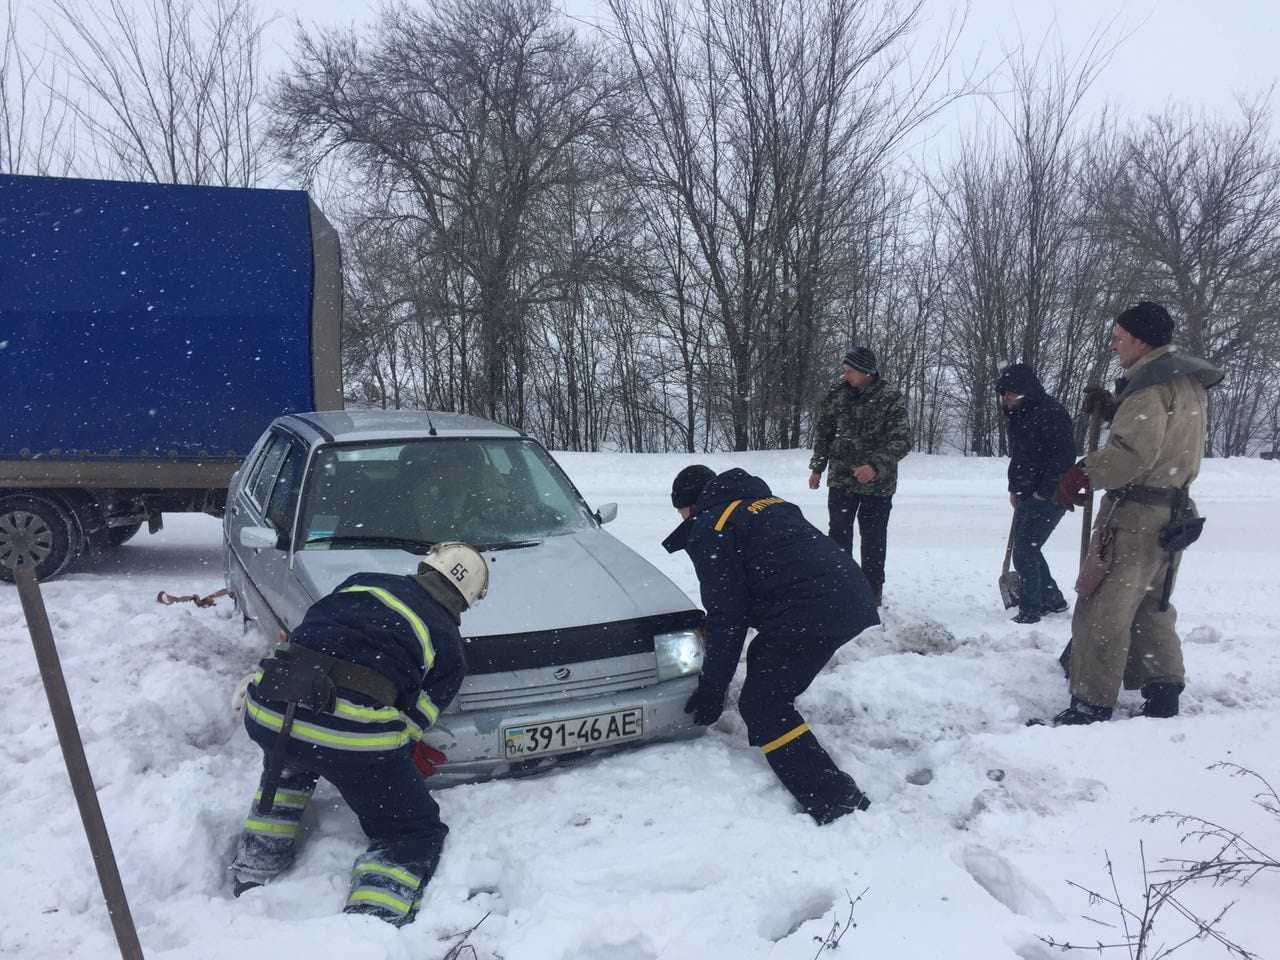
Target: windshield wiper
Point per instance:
(405, 543)
(506, 545)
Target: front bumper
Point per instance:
(473, 742)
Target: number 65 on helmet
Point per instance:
(463, 566)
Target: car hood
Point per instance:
(566, 581)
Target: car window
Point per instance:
(480, 491)
(264, 479)
(284, 495)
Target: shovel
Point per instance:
(1010, 582)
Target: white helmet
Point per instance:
(463, 566)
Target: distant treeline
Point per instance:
(662, 232)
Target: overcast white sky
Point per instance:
(1199, 52)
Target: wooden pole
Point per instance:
(1086, 529)
(64, 721)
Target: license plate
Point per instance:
(576, 733)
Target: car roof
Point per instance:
(355, 425)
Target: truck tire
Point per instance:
(119, 536)
(36, 531)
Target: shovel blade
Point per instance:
(1010, 589)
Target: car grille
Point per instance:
(557, 690)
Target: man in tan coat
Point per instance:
(1119, 632)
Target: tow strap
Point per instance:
(169, 599)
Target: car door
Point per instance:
(270, 500)
(242, 512)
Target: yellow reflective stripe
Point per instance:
(725, 516)
(415, 731)
(395, 873)
(419, 628)
(786, 738)
(269, 826)
(381, 897)
(428, 708)
(287, 798)
(311, 733)
(354, 711)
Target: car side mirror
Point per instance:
(607, 512)
(260, 538)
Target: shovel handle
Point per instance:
(1086, 514)
(1008, 549)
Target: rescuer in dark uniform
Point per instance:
(761, 564)
(348, 698)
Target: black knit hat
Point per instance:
(688, 484)
(1149, 322)
(1017, 378)
(861, 359)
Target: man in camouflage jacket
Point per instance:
(861, 435)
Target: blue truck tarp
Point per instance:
(156, 321)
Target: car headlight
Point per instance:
(679, 653)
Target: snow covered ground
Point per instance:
(687, 850)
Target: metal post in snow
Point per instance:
(64, 721)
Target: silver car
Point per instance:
(581, 644)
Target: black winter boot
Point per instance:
(1026, 616)
(1078, 714)
(855, 802)
(1161, 700)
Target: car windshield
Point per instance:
(410, 495)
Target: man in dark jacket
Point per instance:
(348, 698)
(860, 436)
(1041, 449)
(761, 564)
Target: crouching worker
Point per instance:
(761, 564)
(367, 670)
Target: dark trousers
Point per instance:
(395, 810)
(779, 669)
(872, 514)
(1033, 521)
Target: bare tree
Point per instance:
(981, 212)
(1041, 117)
(35, 126)
(1196, 204)
(479, 119)
(171, 94)
(766, 123)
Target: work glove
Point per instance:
(1100, 399)
(706, 705)
(241, 694)
(1073, 489)
(426, 758)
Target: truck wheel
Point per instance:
(35, 531)
(122, 535)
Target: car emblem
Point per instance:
(562, 673)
